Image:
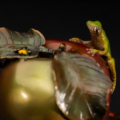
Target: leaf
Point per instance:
(81, 87)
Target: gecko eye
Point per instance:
(97, 30)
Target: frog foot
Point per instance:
(91, 51)
(77, 40)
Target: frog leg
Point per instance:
(111, 63)
(94, 51)
(77, 40)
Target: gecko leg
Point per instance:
(77, 40)
(94, 51)
(111, 63)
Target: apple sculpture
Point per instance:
(49, 83)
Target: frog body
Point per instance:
(99, 45)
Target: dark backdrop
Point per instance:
(63, 20)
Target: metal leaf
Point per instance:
(81, 87)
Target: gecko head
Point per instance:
(94, 27)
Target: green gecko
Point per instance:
(99, 44)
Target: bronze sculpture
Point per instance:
(77, 82)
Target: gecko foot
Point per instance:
(91, 51)
(77, 40)
(94, 51)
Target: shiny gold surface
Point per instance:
(24, 52)
(27, 91)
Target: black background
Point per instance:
(64, 20)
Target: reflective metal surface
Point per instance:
(81, 87)
(27, 87)
(27, 91)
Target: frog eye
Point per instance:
(97, 30)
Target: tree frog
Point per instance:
(99, 44)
